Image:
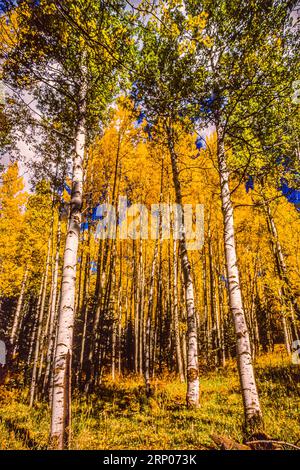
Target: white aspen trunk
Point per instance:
(60, 416)
(112, 313)
(287, 294)
(113, 352)
(221, 309)
(44, 335)
(83, 340)
(16, 323)
(175, 314)
(205, 305)
(85, 311)
(277, 246)
(120, 314)
(99, 299)
(253, 414)
(183, 335)
(222, 319)
(141, 319)
(53, 309)
(148, 324)
(51, 373)
(80, 269)
(120, 343)
(39, 327)
(192, 396)
(149, 321)
(215, 328)
(252, 311)
(157, 310)
(113, 327)
(287, 338)
(136, 307)
(34, 326)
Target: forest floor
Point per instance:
(120, 417)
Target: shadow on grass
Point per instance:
(286, 377)
(22, 434)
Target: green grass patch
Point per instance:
(119, 416)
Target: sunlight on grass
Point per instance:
(120, 417)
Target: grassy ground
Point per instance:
(119, 416)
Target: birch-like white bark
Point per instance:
(253, 414)
(136, 287)
(60, 416)
(141, 316)
(16, 323)
(287, 294)
(149, 321)
(52, 320)
(84, 309)
(120, 313)
(39, 326)
(35, 322)
(192, 396)
(175, 314)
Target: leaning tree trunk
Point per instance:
(60, 416)
(192, 396)
(253, 414)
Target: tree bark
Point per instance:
(60, 416)
(35, 321)
(192, 396)
(16, 323)
(253, 414)
(149, 321)
(175, 314)
(53, 314)
(286, 290)
(40, 325)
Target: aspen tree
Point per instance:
(248, 384)
(53, 311)
(192, 396)
(60, 418)
(40, 318)
(15, 327)
(175, 313)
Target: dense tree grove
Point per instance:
(160, 233)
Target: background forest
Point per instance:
(127, 338)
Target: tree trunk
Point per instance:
(60, 416)
(16, 323)
(53, 314)
(136, 297)
(149, 321)
(192, 396)
(35, 321)
(141, 310)
(286, 290)
(175, 314)
(253, 414)
(40, 326)
(85, 307)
